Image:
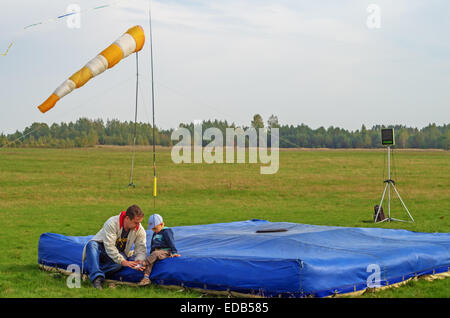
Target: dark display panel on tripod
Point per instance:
(387, 136)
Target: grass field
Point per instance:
(73, 191)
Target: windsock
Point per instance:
(131, 42)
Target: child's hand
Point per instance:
(139, 267)
(175, 255)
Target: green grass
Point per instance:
(74, 191)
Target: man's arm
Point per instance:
(110, 244)
(140, 245)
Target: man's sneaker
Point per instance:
(98, 282)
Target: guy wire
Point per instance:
(135, 122)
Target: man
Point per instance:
(109, 250)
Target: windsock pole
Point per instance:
(153, 109)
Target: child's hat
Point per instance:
(154, 220)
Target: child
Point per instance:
(162, 246)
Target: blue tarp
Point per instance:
(305, 260)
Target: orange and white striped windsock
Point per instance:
(132, 41)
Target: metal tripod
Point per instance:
(390, 183)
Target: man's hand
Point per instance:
(131, 264)
(137, 265)
(140, 266)
(175, 255)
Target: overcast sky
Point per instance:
(311, 62)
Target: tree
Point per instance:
(272, 122)
(3, 140)
(402, 138)
(445, 140)
(92, 139)
(257, 121)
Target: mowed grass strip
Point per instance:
(73, 191)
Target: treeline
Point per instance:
(430, 137)
(87, 133)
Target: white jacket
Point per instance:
(111, 231)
